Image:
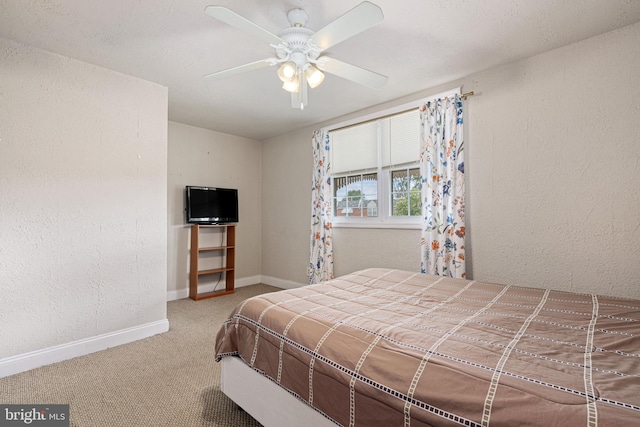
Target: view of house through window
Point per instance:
(375, 170)
(356, 195)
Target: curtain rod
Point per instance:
(463, 96)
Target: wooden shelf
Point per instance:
(213, 270)
(213, 294)
(229, 249)
(217, 248)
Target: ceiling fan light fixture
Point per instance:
(287, 71)
(292, 85)
(298, 49)
(314, 76)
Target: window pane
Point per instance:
(356, 195)
(399, 189)
(370, 195)
(415, 198)
(339, 195)
(405, 192)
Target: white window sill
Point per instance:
(377, 224)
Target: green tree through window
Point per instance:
(405, 192)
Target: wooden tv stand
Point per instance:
(228, 269)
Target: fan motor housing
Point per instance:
(296, 37)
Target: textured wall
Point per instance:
(554, 168)
(553, 155)
(83, 154)
(286, 206)
(203, 157)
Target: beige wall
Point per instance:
(552, 162)
(554, 168)
(286, 207)
(213, 159)
(83, 196)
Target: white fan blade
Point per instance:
(360, 18)
(351, 72)
(241, 69)
(229, 17)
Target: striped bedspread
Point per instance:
(384, 347)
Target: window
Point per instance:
(375, 171)
(354, 194)
(405, 192)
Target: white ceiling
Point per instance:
(420, 44)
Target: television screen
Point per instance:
(211, 205)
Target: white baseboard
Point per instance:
(184, 293)
(35, 359)
(174, 295)
(281, 283)
(247, 281)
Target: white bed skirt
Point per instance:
(264, 400)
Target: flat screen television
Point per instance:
(211, 205)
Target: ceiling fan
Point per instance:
(298, 50)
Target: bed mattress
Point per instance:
(382, 347)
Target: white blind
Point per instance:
(356, 148)
(401, 138)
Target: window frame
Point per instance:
(409, 190)
(384, 218)
(346, 177)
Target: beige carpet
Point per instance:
(170, 379)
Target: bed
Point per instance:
(383, 347)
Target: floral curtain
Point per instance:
(321, 257)
(442, 177)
